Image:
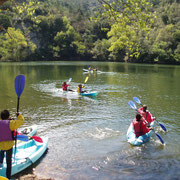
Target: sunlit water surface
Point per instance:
(87, 136)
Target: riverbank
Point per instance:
(33, 177)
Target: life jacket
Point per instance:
(64, 87)
(5, 133)
(147, 115)
(138, 130)
(79, 90)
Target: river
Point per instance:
(87, 136)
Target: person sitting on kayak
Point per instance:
(140, 127)
(7, 126)
(146, 114)
(90, 68)
(95, 69)
(79, 88)
(65, 86)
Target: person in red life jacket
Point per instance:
(7, 126)
(65, 86)
(140, 127)
(146, 114)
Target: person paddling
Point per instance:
(146, 114)
(7, 126)
(139, 125)
(65, 86)
(80, 88)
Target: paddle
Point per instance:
(139, 102)
(69, 80)
(86, 79)
(26, 138)
(19, 87)
(133, 106)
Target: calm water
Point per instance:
(87, 137)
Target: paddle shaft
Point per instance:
(19, 87)
(18, 104)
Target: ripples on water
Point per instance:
(87, 137)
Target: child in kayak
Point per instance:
(65, 86)
(7, 126)
(139, 125)
(146, 114)
(79, 88)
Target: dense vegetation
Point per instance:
(133, 31)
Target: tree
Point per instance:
(68, 41)
(128, 19)
(14, 45)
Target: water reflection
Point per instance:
(87, 137)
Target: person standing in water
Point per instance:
(7, 128)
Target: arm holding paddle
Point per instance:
(80, 86)
(14, 124)
(133, 106)
(139, 102)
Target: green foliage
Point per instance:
(100, 50)
(68, 41)
(135, 30)
(14, 45)
(128, 19)
(27, 10)
(5, 21)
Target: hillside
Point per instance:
(62, 30)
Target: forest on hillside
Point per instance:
(143, 31)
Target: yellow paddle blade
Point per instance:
(86, 79)
(3, 178)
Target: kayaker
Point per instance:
(79, 88)
(90, 68)
(65, 86)
(146, 114)
(7, 126)
(95, 69)
(140, 127)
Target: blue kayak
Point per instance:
(89, 93)
(27, 153)
(131, 137)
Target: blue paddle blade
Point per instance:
(19, 84)
(22, 137)
(163, 127)
(137, 100)
(159, 138)
(132, 105)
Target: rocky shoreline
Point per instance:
(33, 177)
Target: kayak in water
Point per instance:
(27, 153)
(132, 139)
